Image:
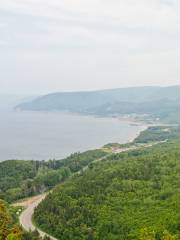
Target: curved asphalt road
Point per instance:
(25, 218)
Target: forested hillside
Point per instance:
(129, 196)
(19, 179)
(159, 134)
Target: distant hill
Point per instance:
(8, 101)
(159, 102)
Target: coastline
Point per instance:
(144, 128)
(50, 136)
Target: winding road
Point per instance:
(25, 218)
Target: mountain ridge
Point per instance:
(134, 100)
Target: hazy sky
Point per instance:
(55, 45)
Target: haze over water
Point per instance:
(42, 135)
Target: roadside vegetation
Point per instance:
(9, 227)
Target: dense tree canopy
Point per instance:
(134, 195)
(19, 179)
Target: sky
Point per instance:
(54, 45)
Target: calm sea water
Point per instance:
(40, 135)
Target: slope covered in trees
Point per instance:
(19, 179)
(158, 134)
(129, 196)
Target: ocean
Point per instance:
(49, 135)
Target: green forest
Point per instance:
(20, 179)
(128, 196)
(99, 195)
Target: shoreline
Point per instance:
(143, 127)
(123, 130)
